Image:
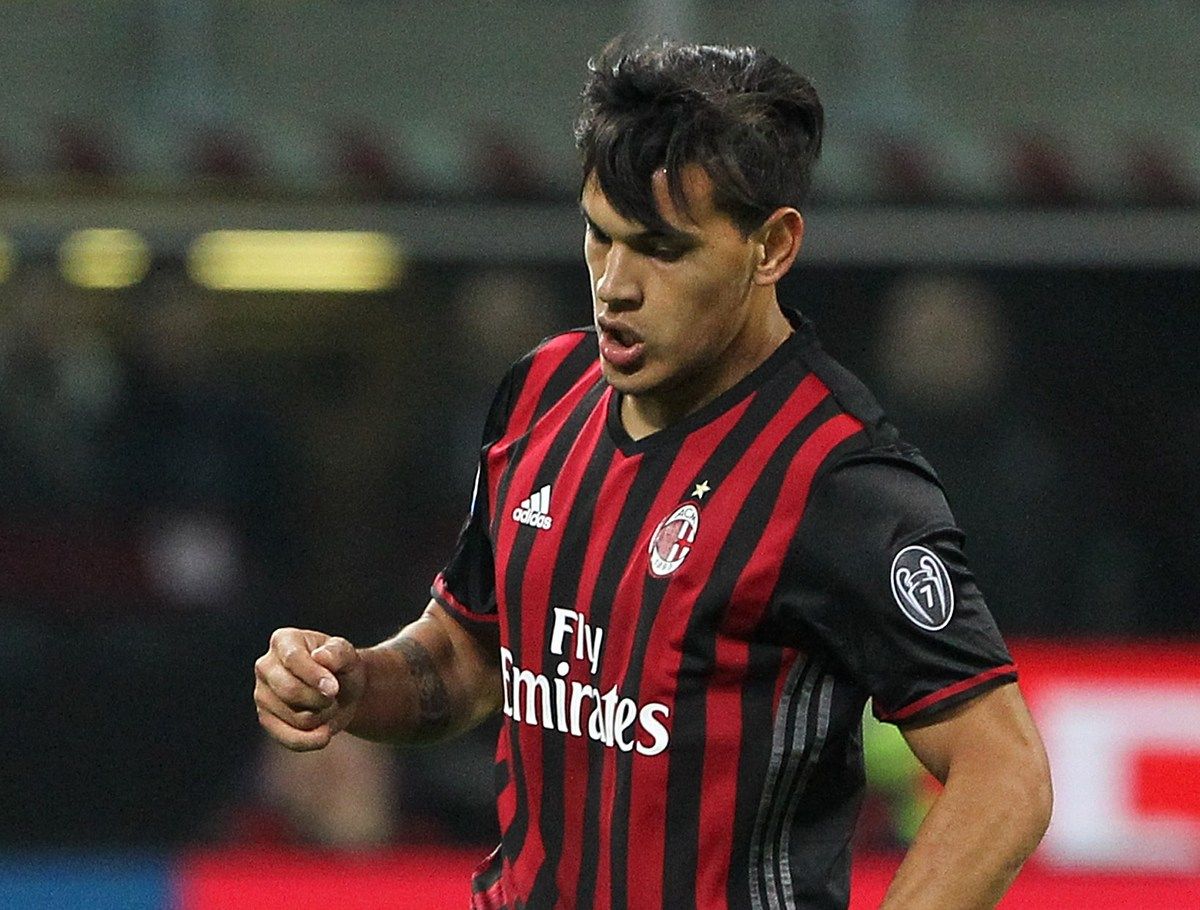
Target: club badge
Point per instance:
(672, 540)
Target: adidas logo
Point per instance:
(532, 511)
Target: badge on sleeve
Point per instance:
(921, 586)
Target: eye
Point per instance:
(598, 235)
(666, 253)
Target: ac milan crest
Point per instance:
(672, 540)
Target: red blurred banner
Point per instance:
(1037, 888)
(1121, 724)
(433, 879)
(426, 878)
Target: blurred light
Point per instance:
(295, 261)
(7, 258)
(104, 258)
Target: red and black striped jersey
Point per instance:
(690, 624)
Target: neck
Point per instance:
(642, 415)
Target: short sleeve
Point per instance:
(877, 577)
(466, 585)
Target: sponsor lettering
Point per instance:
(576, 708)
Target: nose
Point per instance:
(617, 286)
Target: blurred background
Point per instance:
(261, 264)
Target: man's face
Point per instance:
(670, 309)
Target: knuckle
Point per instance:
(307, 720)
(279, 635)
(292, 691)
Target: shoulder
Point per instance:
(889, 488)
(873, 478)
(870, 503)
(874, 453)
(552, 353)
(540, 378)
(560, 344)
(850, 396)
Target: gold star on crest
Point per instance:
(701, 488)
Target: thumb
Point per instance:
(335, 655)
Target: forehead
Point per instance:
(700, 212)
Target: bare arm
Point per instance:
(430, 681)
(991, 813)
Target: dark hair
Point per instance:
(753, 123)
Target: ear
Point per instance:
(779, 239)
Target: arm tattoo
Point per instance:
(432, 697)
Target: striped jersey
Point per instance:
(689, 625)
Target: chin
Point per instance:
(635, 383)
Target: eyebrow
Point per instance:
(682, 238)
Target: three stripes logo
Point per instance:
(535, 510)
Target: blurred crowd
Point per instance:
(359, 160)
(944, 104)
(182, 471)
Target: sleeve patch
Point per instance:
(922, 587)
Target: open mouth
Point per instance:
(624, 336)
(622, 347)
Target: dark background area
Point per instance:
(1003, 242)
(226, 482)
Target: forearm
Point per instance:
(423, 685)
(970, 847)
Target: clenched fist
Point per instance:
(306, 687)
